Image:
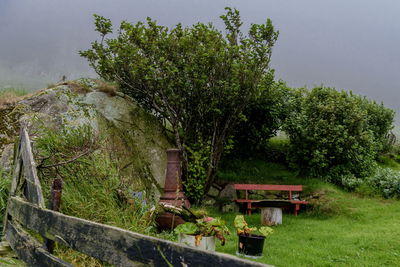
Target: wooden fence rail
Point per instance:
(26, 211)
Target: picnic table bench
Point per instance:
(255, 203)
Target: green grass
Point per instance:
(390, 161)
(359, 232)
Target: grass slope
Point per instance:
(347, 229)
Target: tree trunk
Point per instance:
(271, 216)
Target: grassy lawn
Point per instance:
(347, 230)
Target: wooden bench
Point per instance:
(252, 203)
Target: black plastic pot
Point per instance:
(251, 245)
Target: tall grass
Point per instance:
(5, 183)
(92, 186)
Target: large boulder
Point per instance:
(134, 138)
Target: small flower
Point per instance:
(208, 219)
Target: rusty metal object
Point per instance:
(168, 221)
(173, 191)
(56, 191)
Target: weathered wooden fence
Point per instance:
(26, 213)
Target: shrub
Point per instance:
(196, 180)
(350, 182)
(263, 118)
(385, 182)
(335, 133)
(277, 149)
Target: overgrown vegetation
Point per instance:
(92, 188)
(196, 80)
(336, 133)
(263, 118)
(385, 182)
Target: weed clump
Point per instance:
(385, 182)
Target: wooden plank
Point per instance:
(5, 248)
(16, 176)
(299, 202)
(270, 187)
(29, 250)
(262, 200)
(17, 169)
(34, 189)
(114, 245)
(271, 201)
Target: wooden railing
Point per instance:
(26, 213)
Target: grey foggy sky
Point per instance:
(346, 44)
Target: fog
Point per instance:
(346, 44)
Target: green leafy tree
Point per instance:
(196, 80)
(263, 118)
(336, 133)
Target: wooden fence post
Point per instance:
(56, 191)
(33, 188)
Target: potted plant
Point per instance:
(251, 239)
(202, 233)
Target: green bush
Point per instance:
(196, 180)
(335, 133)
(277, 149)
(263, 118)
(348, 181)
(385, 182)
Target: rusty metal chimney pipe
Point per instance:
(173, 191)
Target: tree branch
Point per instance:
(66, 162)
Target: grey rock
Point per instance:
(213, 192)
(230, 207)
(209, 201)
(228, 192)
(136, 138)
